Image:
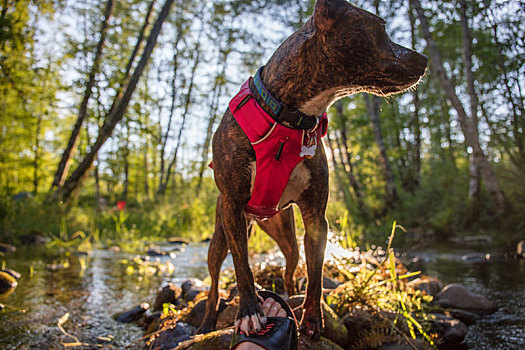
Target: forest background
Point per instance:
(105, 102)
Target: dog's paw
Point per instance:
(250, 319)
(312, 327)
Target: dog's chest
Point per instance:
(298, 182)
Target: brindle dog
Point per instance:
(341, 50)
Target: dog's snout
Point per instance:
(415, 60)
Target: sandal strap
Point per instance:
(276, 335)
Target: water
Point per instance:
(92, 288)
(500, 279)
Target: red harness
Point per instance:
(278, 150)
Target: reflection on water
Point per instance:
(93, 288)
(90, 288)
(500, 279)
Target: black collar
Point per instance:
(280, 112)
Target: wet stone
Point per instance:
(196, 314)
(449, 330)
(456, 296)
(464, 316)
(191, 288)
(7, 282)
(170, 338)
(168, 295)
(178, 240)
(431, 286)
(132, 315)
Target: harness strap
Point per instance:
(280, 112)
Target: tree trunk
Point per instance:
(36, 160)
(126, 163)
(373, 104)
(164, 139)
(474, 181)
(69, 151)
(75, 181)
(415, 122)
(220, 81)
(469, 128)
(187, 103)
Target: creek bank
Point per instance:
(361, 308)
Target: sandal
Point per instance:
(279, 332)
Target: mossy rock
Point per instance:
(7, 282)
(220, 340)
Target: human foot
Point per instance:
(280, 331)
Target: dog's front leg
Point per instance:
(250, 317)
(314, 248)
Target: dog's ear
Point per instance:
(325, 12)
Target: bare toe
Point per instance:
(274, 310)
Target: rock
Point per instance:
(172, 337)
(2, 307)
(475, 258)
(34, 237)
(150, 322)
(520, 249)
(456, 296)
(132, 315)
(226, 317)
(7, 248)
(195, 316)
(153, 251)
(191, 288)
(206, 240)
(7, 282)
(334, 329)
(449, 330)
(168, 295)
(220, 340)
(178, 240)
(431, 286)
(464, 316)
(329, 283)
(12, 273)
(114, 248)
(368, 329)
(403, 345)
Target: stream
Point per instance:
(93, 288)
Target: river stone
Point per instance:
(520, 249)
(431, 286)
(456, 296)
(156, 252)
(172, 337)
(449, 330)
(220, 340)
(195, 316)
(191, 288)
(34, 237)
(7, 248)
(178, 240)
(132, 315)
(7, 282)
(464, 316)
(168, 295)
(403, 345)
(13, 273)
(227, 317)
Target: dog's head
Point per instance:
(342, 49)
